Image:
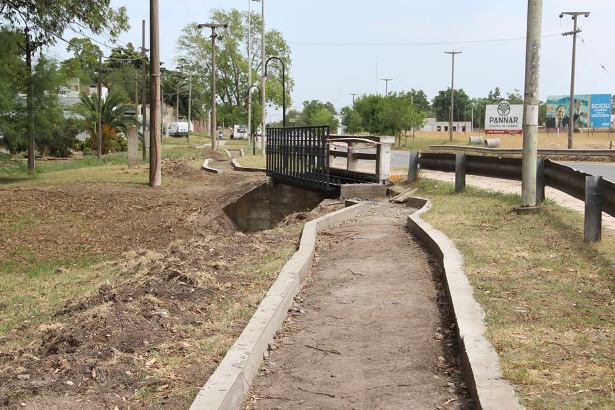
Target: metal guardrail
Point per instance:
(598, 194)
(543, 152)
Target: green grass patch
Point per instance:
(547, 294)
(253, 161)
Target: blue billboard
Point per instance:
(600, 111)
(590, 111)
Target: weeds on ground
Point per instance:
(547, 294)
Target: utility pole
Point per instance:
(530, 104)
(386, 86)
(214, 36)
(144, 100)
(177, 103)
(353, 96)
(250, 69)
(264, 83)
(155, 175)
(30, 105)
(99, 105)
(450, 117)
(189, 104)
(573, 33)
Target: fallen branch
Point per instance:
(323, 350)
(316, 392)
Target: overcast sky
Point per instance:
(345, 46)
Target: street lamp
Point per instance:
(283, 86)
(214, 36)
(252, 136)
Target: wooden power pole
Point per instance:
(144, 98)
(99, 106)
(155, 174)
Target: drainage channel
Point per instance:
(268, 204)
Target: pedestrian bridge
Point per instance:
(304, 156)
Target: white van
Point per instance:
(239, 132)
(178, 129)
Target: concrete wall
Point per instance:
(268, 204)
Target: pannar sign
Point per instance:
(504, 118)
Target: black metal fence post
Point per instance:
(413, 166)
(593, 209)
(540, 181)
(460, 172)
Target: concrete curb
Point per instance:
(238, 167)
(230, 382)
(209, 168)
(479, 360)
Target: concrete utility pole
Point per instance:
(214, 36)
(144, 99)
(450, 117)
(99, 105)
(386, 85)
(530, 104)
(30, 105)
(250, 69)
(177, 103)
(155, 175)
(573, 33)
(353, 96)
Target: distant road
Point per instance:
(604, 169)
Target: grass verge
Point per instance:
(547, 294)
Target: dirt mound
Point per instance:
(180, 167)
(115, 349)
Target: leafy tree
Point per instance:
(194, 50)
(419, 99)
(84, 64)
(351, 120)
(494, 95)
(318, 113)
(442, 102)
(48, 20)
(115, 118)
(515, 97)
(12, 76)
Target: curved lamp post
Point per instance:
(283, 86)
(252, 136)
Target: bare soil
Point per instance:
(187, 284)
(369, 330)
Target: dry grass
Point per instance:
(547, 294)
(252, 161)
(423, 140)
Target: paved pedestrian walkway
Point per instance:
(369, 330)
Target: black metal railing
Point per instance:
(300, 156)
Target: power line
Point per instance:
(407, 44)
(591, 51)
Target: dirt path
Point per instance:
(368, 329)
(514, 187)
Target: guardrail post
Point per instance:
(593, 208)
(460, 172)
(540, 181)
(413, 166)
(352, 162)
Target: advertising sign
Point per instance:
(590, 111)
(504, 118)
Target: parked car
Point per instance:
(178, 129)
(239, 132)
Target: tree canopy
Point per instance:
(232, 65)
(47, 20)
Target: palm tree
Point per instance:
(116, 116)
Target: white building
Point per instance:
(431, 125)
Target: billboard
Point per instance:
(590, 111)
(504, 118)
